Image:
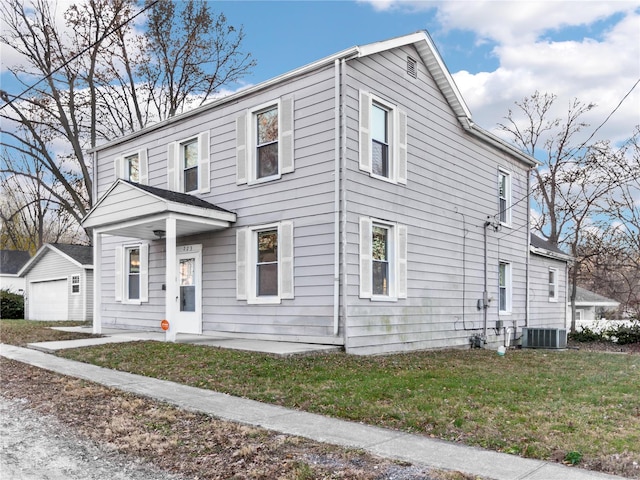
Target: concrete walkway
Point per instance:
(387, 443)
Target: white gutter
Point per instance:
(336, 199)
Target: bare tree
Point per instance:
(98, 79)
(575, 181)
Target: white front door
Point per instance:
(189, 268)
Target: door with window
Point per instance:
(189, 269)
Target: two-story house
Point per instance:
(352, 202)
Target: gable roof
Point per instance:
(542, 247)
(80, 255)
(586, 297)
(129, 209)
(11, 261)
(430, 56)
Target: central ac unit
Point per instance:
(544, 337)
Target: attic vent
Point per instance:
(544, 338)
(412, 67)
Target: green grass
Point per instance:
(532, 403)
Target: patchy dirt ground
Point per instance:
(66, 428)
(632, 348)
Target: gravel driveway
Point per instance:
(38, 447)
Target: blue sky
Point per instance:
(498, 52)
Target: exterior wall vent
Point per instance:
(544, 338)
(412, 67)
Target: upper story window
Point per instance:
(75, 284)
(504, 197)
(188, 168)
(383, 139)
(264, 263)
(553, 285)
(383, 260)
(132, 166)
(504, 287)
(189, 159)
(264, 142)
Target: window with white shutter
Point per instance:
(188, 165)
(264, 142)
(383, 139)
(383, 260)
(133, 166)
(264, 263)
(132, 273)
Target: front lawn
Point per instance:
(22, 332)
(575, 407)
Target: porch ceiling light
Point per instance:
(159, 233)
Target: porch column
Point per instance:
(97, 281)
(172, 293)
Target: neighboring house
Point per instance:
(11, 261)
(590, 306)
(59, 283)
(548, 280)
(352, 201)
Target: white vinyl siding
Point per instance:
(383, 139)
(250, 265)
(133, 166)
(383, 260)
(176, 166)
(251, 144)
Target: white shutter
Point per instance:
(286, 135)
(366, 283)
(401, 258)
(401, 149)
(365, 133)
(117, 168)
(172, 166)
(204, 171)
(241, 149)
(118, 273)
(285, 249)
(242, 237)
(144, 272)
(144, 166)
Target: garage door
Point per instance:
(48, 300)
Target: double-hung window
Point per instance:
(504, 287)
(132, 166)
(383, 139)
(383, 260)
(264, 142)
(188, 165)
(264, 263)
(132, 273)
(504, 197)
(75, 284)
(553, 285)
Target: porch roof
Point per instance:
(140, 211)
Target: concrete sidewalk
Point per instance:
(387, 443)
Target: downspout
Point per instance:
(527, 279)
(485, 294)
(336, 200)
(343, 229)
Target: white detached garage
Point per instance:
(59, 283)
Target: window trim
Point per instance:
(508, 198)
(246, 263)
(122, 273)
(246, 141)
(508, 287)
(397, 260)
(182, 163)
(397, 141)
(555, 296)
(77, 283)
(175, 164)
(121, 166)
